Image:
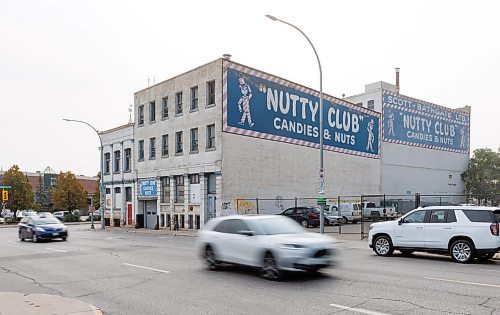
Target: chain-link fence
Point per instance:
(354, 214)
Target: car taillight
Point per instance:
(314, 215)
(494, 229)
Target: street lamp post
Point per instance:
(101, 188)
(321, 186)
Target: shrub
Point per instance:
(71, 217)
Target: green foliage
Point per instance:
(96, 197)
(69, 194)
(482, 177)
(21, 194)
(71, 217)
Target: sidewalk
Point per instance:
(14, 303)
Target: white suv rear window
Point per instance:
(480, 216)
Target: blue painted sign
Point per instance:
(261, 106)
(147, 188)
(418, 123)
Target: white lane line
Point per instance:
(153, 269)
(489, 270)
(133, 244)
(358, 310)
(466, 282)
(57, 250)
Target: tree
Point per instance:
(69, 193)
(96, 197)
(21, 194)
(482, 178)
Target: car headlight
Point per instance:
(64, 228)
(39, 229)
(292, 246)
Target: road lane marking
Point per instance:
(57, 250)
(466, 282)
(153, 269)
(489, 270)
(358, 310)
(133, 244)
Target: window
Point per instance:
(178, 142)
(165, 189)
(179, 189)
(152, 111)
(194, 98)
(234, 226)
(128, 159)
(360, 104)
(141, 150)
(128, 194)
(415, 217)
(194, 178)
(437, 216)
(210, 136)
(108, 191)
(178, 103)
(152, 148)
(194, 140)
(164, 107)
(451, 217)
(141, 115)
(371, 104)
(164, 145)
(107, 158)
(480, 215)
(211, 93)
(118, 190)
(116, 164)
(288, 211)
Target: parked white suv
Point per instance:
(463, 232)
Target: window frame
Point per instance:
(164, 145)
(116, 161)
(210, 93)
(193, 107)
(140, 115)
(210, 145)
(179, 143)
(107, 163)
(127, 160)
(152, 112)
(164, 107)
(179, 182)
(165, 189)
(194, 140)
(152, 148)
(178, 104)
(140, 149)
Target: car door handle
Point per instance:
(420, 227)
(447, 228)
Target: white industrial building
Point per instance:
(209, 141)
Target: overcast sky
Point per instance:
(85, 59)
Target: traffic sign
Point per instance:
(5, 187)
(5, 195)
(321, 201)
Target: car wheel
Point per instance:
(383, 246)
(344, 220)
(486, 256)
(210, 261)
(34, 238)
(270, 269)
(462, 251)
(406, 252)
(304, 223)
(64, 238)
(21, 237)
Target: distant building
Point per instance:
(43, 181)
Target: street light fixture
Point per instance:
(321, 188)
(101, 188)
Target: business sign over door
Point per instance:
(147, 189)
(259, 105)
(414, 122)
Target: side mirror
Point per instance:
(245, 232)
(400, 221)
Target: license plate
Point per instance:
(55, 234)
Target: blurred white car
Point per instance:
(272, 243)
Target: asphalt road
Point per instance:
(139, 273)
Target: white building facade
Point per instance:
(119, 175)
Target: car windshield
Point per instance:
(48, 220)
(277, 225)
